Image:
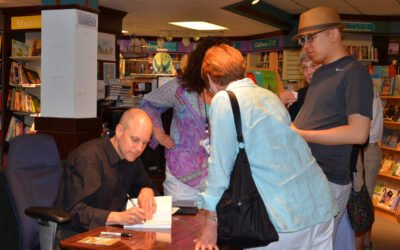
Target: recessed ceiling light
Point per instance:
(199, 25)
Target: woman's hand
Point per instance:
(162, 138)
(208, 237)
(147, 202)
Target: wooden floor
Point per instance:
(385, 233)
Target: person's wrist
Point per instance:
(212, 219)
(211, 216)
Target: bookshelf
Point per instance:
(285, 62)
(144, 65)
(21, 67)
(23, 100)
(386, 197)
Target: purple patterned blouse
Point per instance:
(188, 160)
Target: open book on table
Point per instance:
(162, 218)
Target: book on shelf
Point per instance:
(380, 71)
(377, 85)
(35, 47)
(21, 75)
(30, 76)
(16, 128)
(396, 170)
(387, 165)
(386, 195)
(396, 85)
(21, 100)
(19, 48)
(390, 138)
(387, 86)
(391, 112)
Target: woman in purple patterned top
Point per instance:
(187, 144)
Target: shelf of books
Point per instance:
(386, 196)
(23, 101)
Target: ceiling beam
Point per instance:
(264, 13)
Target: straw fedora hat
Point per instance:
(318, 19)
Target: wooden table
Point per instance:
(185, 228)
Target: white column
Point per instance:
(69, 64)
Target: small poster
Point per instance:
(393, 48)
(106, 47)
(108, 72)
(268, 79)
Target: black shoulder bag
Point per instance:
(359, 206)
(243, 220)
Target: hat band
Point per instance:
(321, 26)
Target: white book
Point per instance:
(162, 218)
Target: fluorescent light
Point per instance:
(255, 2)
(124, 32)
(198, 25)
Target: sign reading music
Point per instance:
(26, 22)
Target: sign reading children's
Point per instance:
(270, 43)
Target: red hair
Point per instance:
(224, 64)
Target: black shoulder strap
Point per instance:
(236, 115)
(362, 162)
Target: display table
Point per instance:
(185, 228)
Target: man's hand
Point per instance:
(131, 216)
(147, 202)
(287, 98)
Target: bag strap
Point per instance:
(362, 163)
(236, 115)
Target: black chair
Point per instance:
(33, 172)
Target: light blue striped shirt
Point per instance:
(295, 191)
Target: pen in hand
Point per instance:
(133, 203)
(130, 200)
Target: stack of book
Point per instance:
(386, 196)
(390, 166)
(32, 47)
(21, 100)
(390, 138)
(16, 128)
(391, 112)
(21, 75)
(118, 91)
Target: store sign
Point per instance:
(270, 43)
(26, 22)
(236, 45)
(87, 19)
(357, 26)
(170, 46)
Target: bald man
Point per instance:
(100, 173)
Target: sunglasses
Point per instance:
(307, 38)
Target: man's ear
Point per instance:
(334, 34)
(119, 130)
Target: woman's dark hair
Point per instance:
(192, 74)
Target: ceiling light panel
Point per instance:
(199, 25)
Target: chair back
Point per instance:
(33, 172)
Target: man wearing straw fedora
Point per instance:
(338, 107)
